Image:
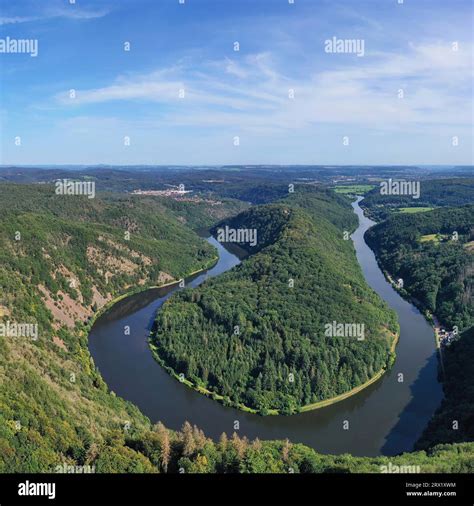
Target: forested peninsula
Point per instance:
(257, 337)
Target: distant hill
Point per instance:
(433, 193)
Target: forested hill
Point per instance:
(433, 252)
(158, 216)
(453, 422)
(62, 258)
(433, 193)
(324, 204)
(55, 409)
(75, 260)
(257, 334)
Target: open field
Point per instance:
(432, 238)
(411, 210)
(359, 189)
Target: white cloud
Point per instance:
(71, 12)
(5, 20)
(235, 69)
(249, 93)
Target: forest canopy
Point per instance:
(433, 193)
(432, 253)
(255, 335)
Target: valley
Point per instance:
(112, 401)
(236, 252)
(371, 431)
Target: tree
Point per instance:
(285, 451)
(239, 444)
(165, 452)
(189, 444)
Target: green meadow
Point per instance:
(359, 189)
(412, 210)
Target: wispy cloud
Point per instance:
(183, 92)
(71, 12)
(16, 19)
(251, 92)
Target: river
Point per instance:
(385, 418)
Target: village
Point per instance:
(177, 194)
(445, 337)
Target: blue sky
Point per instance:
(188, 49)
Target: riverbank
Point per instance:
(200, 386)
(197, 388)
(355, 390)
(429, 317)
(145, 288)
(308, 407)
(131, 371)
